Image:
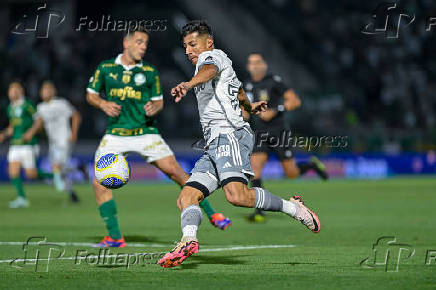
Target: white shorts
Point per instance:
(151, 147)
(59, 155)
(25, 154)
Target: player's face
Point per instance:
(47, 92)
(136, 45)
(195, 44)
(15, 91)
(256, 65)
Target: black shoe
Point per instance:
(74, 197)
(257, 217)
(319, 168)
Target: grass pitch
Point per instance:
(354, 214)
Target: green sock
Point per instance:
(108, 212)
(207, 208)
(44, 175)
(18, 186)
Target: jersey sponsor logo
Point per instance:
(223, 151)
(139, 79)
(126, 92)
(227, 165)
(114, 76)
(17, 111)
(199, 88)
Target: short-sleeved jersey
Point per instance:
(131, 87)
(217, 99)
(21, 117)
(56, 115)
(270, 89)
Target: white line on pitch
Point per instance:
(201, 250)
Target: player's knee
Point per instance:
(189, 196)
(31, 174)
(236, 193)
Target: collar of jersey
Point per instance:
(19, 102)
(126, 67)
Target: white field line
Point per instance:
(235, 248)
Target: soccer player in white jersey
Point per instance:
(229, 143)
(61, 122)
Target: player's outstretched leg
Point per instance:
(108, 212)
(173, 170)
(239, 194)
(190, 221)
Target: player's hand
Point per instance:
(2, 137)
(27, 136)
(258, 107)
(180, 91)
(110, 108)
(150, 109)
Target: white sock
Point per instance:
(189, 232)
(289, 208)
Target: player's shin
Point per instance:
(18, 186)
(108, 212)
(269, 202)
(190, 221)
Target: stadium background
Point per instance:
(378, 92)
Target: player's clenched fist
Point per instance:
(110, 108)
(180, 91)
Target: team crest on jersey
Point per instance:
(264, 95)
(139, 79)
(126, 77)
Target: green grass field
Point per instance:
(354, 214)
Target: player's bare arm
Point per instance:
(111, 109)
(251, 108)
(152, 108)
(6, 133)
(205, 74)
(76, 119)
(36, 127)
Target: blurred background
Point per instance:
(376, 88)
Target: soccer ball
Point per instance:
(112, 170)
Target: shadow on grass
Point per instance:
(294, 263)
(134, 239)
(212, 260)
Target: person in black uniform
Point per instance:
(270, 126)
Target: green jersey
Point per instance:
(131, 88)
(21, 117)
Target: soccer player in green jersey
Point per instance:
(133, 99)
(21, 153)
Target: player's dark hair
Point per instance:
(258, 53)
(138, 28)
(16, 81)
(200, 26)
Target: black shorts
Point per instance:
(273, 144)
